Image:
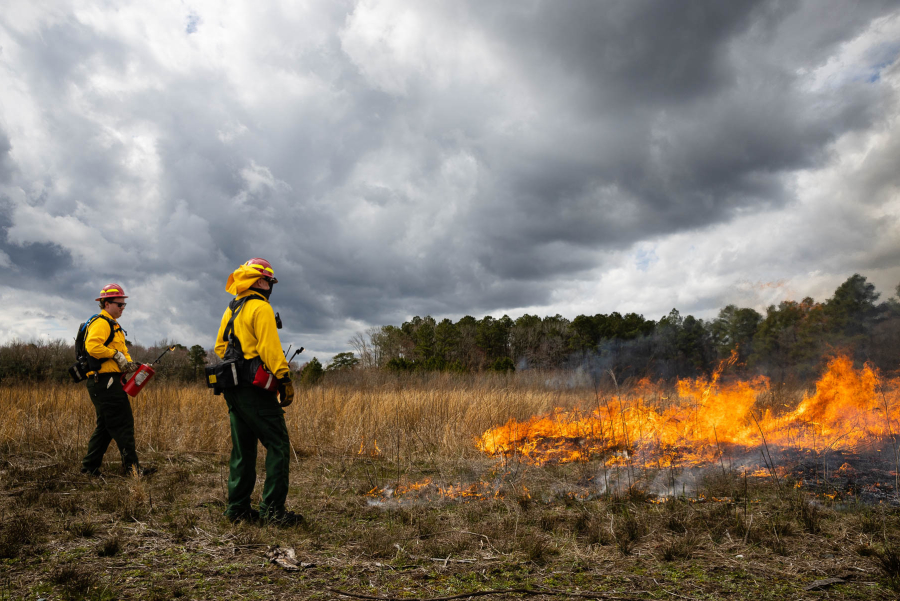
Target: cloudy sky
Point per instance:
(397, 158)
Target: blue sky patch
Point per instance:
(192, 22)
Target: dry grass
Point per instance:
(63, 535)
(439, 415)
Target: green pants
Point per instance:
(256, 416)
(114, 422)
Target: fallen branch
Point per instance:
(443, 560)
(501, 591)
(446, 560)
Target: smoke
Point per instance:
(616, 362)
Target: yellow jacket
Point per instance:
(254, 326)
(97, 334)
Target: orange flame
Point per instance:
(427, 489)
(374, 451)
(851, 409)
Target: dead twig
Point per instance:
(671, 593)
(770, 463)
(747, 531)
(502, 591)
(446, 560)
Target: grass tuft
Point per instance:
(889, 561)
(682, 547)
(110, 546)
(869, 523)
(20, 532)
(538, 548)
(810, 516)
(76, 581)
(81, 529)
(627, 530)
(183, 524)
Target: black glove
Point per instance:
(286, 390)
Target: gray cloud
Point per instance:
(671, 117)
(446, 158)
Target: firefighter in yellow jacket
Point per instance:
(108, 360)
(256, 414)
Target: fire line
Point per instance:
(850, 410)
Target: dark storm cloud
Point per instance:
(654, 118)
(649, 53)
(44, 268)
(677, 115)
(386, 172)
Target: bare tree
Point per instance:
(360, 342)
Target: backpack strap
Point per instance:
(228, 335)
(113, 327)
(235, 306)
(92, 362)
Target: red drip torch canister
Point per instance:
(138, 380)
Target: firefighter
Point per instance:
(109, 359)
(257, 414)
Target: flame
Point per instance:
(851, 409)
(372, 452)
(429, 490)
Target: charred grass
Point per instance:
(367, 530)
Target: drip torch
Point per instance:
(144, 374)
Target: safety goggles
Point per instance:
(121, 305)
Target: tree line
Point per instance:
(49, 360)
(790, 341)
(40, 360)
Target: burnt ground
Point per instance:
(869, 476)
(826, 528)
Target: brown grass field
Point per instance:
(400, 504)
